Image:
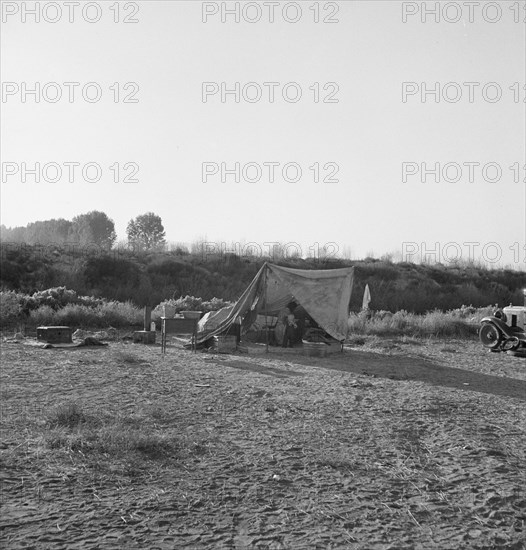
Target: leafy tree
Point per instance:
(13, 234)
(146, 231)
(47, 231)
(94, 228)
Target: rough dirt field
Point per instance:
(417, 444)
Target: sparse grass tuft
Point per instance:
(126, 357)
(119, 440)
(336, 461)
(410, 340)
(67, 415)
(71, 429)
(357, 341)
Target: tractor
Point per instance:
(505, 330)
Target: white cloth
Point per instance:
(366, 297)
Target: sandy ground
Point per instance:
(414, 444)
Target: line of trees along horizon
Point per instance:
(145, 231)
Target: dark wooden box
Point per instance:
(54, 335)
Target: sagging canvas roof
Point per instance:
(325, 294)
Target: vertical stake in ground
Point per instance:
(265, 305)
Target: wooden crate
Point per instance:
(225, 344)
(315, 349)
(54, 335)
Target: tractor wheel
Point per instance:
(490, 336)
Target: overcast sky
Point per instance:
(356, 118)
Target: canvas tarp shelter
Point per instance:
(325, 294)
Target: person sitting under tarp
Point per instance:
(289, 322)
(300, 316)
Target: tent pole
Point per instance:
(265, 304)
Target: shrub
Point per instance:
(191, 303)
(10, 308)
(459, 323)
(119, 314)
(115, 314)
(216, 304)
(75, 315)
(44, 315)
(438, 323)
(357, 323)
(59, 297)
(53, 297)
(400, 321)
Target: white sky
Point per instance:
(369, 133)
